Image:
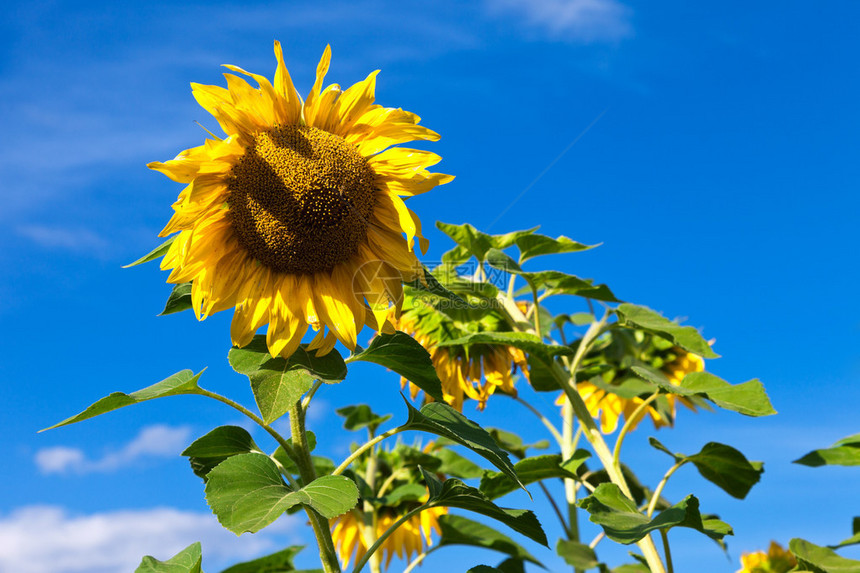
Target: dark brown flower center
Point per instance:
(300, 199)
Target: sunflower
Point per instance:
(475, 372)
(410, 538)
(297, 218)
(674, 362)
(776, 560)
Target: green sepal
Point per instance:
(454, 493)
(158, 251)
(183, 382)
(189, 560)
(278, 383)
(246, 493)
(443, 420)
(686, 337)
(405, 356)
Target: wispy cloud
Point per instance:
(575, 20)
(152, 442)
(48, 539)
(77, 240)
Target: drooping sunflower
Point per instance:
(475, 372)
(776, 560)
(296, 217)
(396, 470)
(642, 349)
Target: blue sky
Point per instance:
(712, 149)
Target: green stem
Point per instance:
(369, 513)
(665, 536)
(558, 513)
(536, 309)
(320, 525)
(549, 425)
(595, 437)
(655, 497)
(373, 548)
(420, 559)
(363, 448)
(629, 423)
(567, 449)
(307, 399)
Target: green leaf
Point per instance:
(454, 493)
(478, 243)
(279, 562)
(484, 569)
(158, 251)
(432, 286)
(210, 450)
(184, 382)
(512, 443)
(854, 539)
(722, 465)
(278, 383)
(845, 452)
(534, 245)
(579, 555)
(622, 521)
(455, 465)
(405, 356)
(555, 282)
(189, 560)
(686, 337)
(748, 398)
(529, 470)
(575, 460)
(405, 492)
(246, 493)
(361, 416)
(443, 420)
(821, 559)
(179, 299)
(458, 530)
(525, 341)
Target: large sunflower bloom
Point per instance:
(477, 374)
(608, 408)
(776, 560)
(297, 215)
(411, 537)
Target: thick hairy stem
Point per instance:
(320, 525)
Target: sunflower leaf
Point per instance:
(459, 530)
(405, 356)
(158, 251)
(525, 341)
(443, 420)
(361, 416)
(246, 493)
(179, 299)
(811, 557)
(208, 451)
(529, 470)
(534, 245)
(278, 383)
(748, 398)
(579, 555)
(435, 288)
(189, 560)
(845, 452)
(478, 243)
(622, 521)
(184, 382)
(279, 562)
(686, 337)
(454, 493)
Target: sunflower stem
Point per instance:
(363, 448)
(373, 548)
(629, 424)
(369, 513)
(320, 525)
(419, 559)
(655, 497)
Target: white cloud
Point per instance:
(153, 441)
(578, 20)
(48, 539)
(68, 239)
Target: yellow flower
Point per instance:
(776, 560)
(608, 407)
(408, 539)
(298, 214)
(476, 373)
